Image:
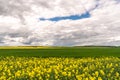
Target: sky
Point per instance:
(59, 22)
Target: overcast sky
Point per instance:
(59, 22)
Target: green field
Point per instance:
(59, 51)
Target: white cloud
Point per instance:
(20, 25)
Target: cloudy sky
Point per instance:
(59, 22)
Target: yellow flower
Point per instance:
(92, 78)
(102, 72)
(48, 75)
(69, 74)
(86, 79)
(49, 70)
(56, 76)
(31, 74)
(116, 65)
(79, 77)
(17, 74)
(96, 73)
(117, 74)
(99, 78)
(64, 73)
(109, 74)
(3, 78)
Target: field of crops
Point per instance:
(59, 68)
(59, 51)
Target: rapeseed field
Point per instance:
(59, 68)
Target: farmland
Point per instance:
(59, 63)
(60, 51)
(85, 68)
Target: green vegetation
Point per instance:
(59, 51)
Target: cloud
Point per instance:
(20, 24)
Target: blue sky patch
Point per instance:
(71, 17)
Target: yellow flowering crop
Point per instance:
(59, 68)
